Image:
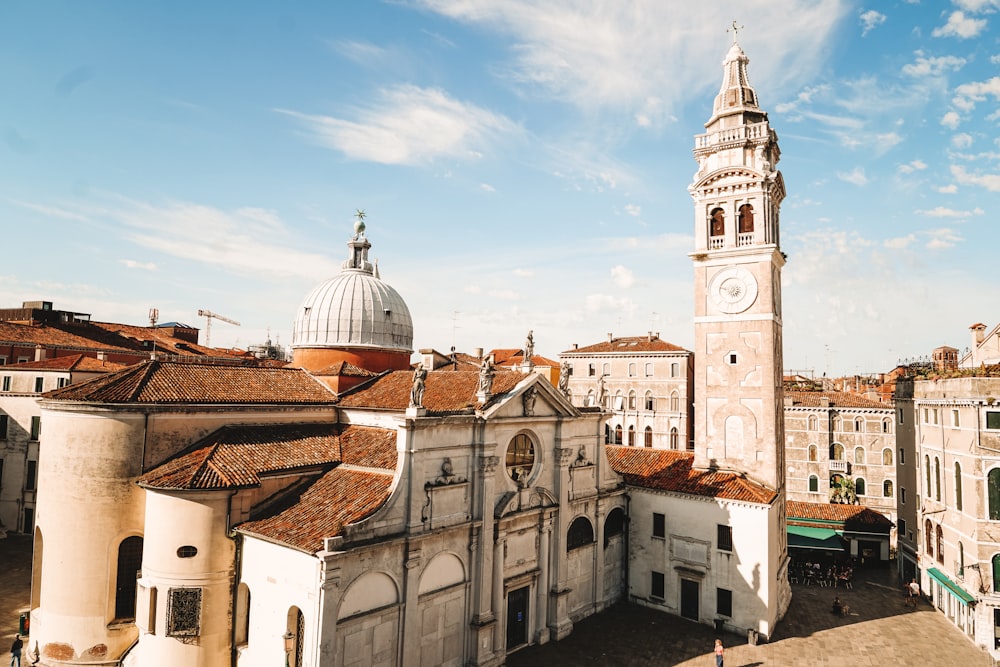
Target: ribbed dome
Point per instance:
(355, 309)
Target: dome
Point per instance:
(355, 309)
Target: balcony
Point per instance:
(716, 242)
(840, 466)
(744, 239)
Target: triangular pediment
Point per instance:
(532, 397)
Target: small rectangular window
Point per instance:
(675, 370)
(934, 414)
(649, 370)
(606, 369)
(22, 360)
(591, 369)
(6, 383)
(62, 382)
(993, 420)
(30, 473)
(901, 415)
(955, 418)
(184, 612)
(631, 369)
(659, 525)
(3, 426)
(36, 427)
(723, 602)
(39, 384)
(902, 456)
(657, 587)
(902, 495)
(724, 537)
(3, 361)
(902, 527)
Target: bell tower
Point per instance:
(737, 192)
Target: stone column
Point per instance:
(599, 592)
(484, 620)
(542, 615)
(411, 606)
(498, 597)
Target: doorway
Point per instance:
(689, 599)
(517, 617)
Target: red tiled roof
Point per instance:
(340, 497)
(669, 470)
(72, 362)
(237, 456)
(837, 399)
(628, 345)
(164, 342)
(835, 513)
(171, 382)
(444, 391)
(46, 335)
(518, 359)
(345, 368)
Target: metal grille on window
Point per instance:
(184, 612)
(300, 628)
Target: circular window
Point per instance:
(187, 552)
(520, 457)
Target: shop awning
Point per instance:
(822, 539)
(953, 588)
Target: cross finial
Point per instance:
(734, 29)
(360, 214)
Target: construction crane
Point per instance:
(209, 316)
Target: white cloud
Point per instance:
(606, 303)
(856, 176)
(942, 238)
(933, 66)
(900, 242)
(486, 187)
(968, 94)
(961, 140)
(410, 126)
(363, 53)
(943, 212)
(871, 20)
(912, 166)
(976, 6)
(132, 264)
(989, 181)
(951, 120)
(623, 277)
(949, 189)
(633, 209)
(961, 26)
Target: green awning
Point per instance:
(952, 587)
(822, 539)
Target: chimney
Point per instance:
(978, 333)
(102, 355)
(478, 352)
(39, 353)
(576, 346)
(610, 337)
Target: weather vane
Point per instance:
(360, 214)
(735, 29)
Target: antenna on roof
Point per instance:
(209, 315)
(154, 315)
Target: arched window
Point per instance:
(928, 537)
(939, 539)
(859, 486)
(581, 533)
(673, 438)
(294, 628)
(631, 436)
(631, 399)
(996, 573)
(813, 423)
(887, 488)
(927, 476)
(836, 423)
(887, 425)
(648, 436)
(887, 456)
(590, 398)
(675, 401)
(993, 487)
(619, 403)
(614, 525)
(129, 564)
(859, 456)
(859, 425)
(746, 219)
(618, 434)
(813, 484)
(242, 624)
(836, 452)
(813, 453)
(937, 479)
(649, 401)
(958, 486)
(718, 225)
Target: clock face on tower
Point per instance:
(733, 289)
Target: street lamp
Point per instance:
(289, 645)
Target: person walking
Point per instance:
(718, 653)
(15, 651)
(912, 593)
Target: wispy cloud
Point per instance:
(408, 125)
(933, 66)
(623, 277)
(856, 176)
(961, 26)
(989, 181)
(870, 20)
(944, 212)
(900, 242)
(145, 266)
(633, 209)
(969, 94)
(951, 120)
(940, 239)
(50, 211)
(961, 140)
(910, 167)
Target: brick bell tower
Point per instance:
(737, 192)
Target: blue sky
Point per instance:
(523, 163)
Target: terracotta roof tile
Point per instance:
(49, 336)
(445, 391)
(340, 497)
(345, 368)
(837, 399)
(171, 382)
(835, 513)
(236, 456)
(669, 470)
(72, 362)
(627, 345)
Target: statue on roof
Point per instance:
(529, 346)
(528, 399)
(486, 373)
(417, 390)
(564, 373)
